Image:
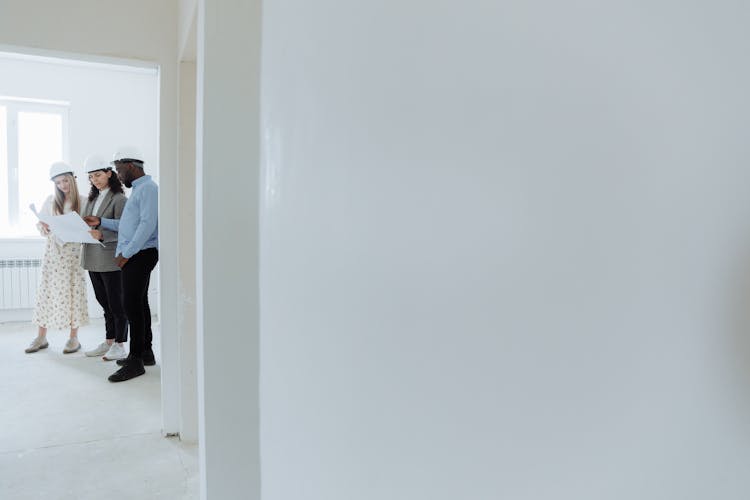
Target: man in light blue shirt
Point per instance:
(137, 254)
(138, 228)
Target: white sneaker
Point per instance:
(72, 345)
(36, 344)
(98, 350)
(116, 351)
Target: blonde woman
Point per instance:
(61, 297)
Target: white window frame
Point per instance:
(14, 106)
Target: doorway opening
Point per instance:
(63, 106)
(53, 108)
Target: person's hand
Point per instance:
(92, 220)
(121, 261)
(44, 228)
(96, 234)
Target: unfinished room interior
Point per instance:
(408, 250)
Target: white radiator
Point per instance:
(18, 281)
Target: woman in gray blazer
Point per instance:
(106, 200)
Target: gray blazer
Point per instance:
(99, 258)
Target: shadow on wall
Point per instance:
(739, 330)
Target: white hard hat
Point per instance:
(59, 168)
(96, 162)
(128, 154)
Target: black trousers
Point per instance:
(108, 292)
(136, 275)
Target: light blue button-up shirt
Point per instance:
(138, 226)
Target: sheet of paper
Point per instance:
(67, 228)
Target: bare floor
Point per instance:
(68, 433)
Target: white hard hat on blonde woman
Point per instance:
(59, 168)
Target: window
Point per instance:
(33, 134)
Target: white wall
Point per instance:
(104, 104)
(109, 107)
(187, 29)
(505, 250)
(227, 274)
(188, 302)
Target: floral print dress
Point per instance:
(61, 295)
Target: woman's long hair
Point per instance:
(114, 185)
(75, 199)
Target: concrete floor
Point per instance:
(68, 433)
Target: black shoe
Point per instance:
(132, 369)
(124, 361)
(148, 359)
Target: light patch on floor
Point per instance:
(66, 432)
